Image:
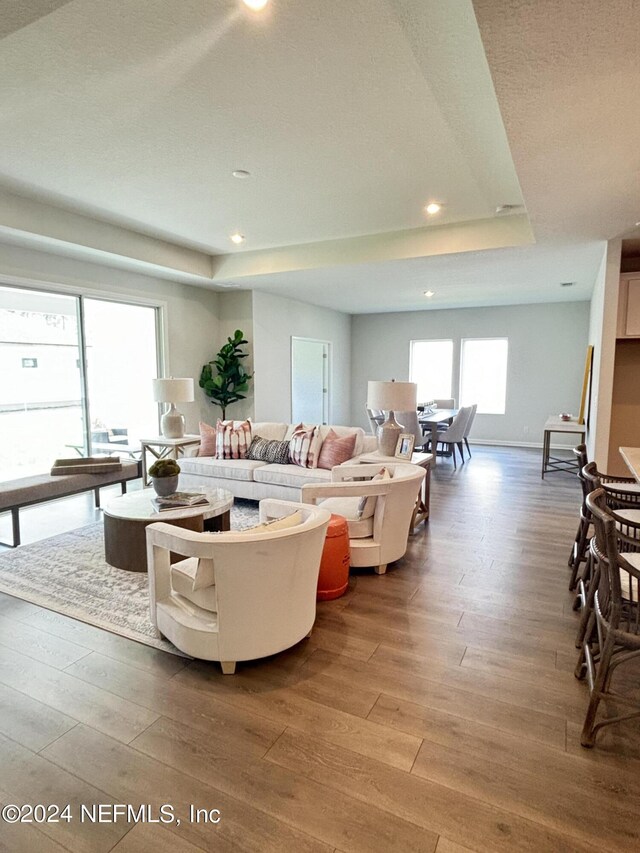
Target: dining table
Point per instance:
(431, 421)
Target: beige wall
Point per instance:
(275, 321)
(547, 345)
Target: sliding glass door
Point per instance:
(41, 389)
(75, 377)
(122, 360)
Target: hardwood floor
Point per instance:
(433, 708)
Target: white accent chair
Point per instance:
(238, 595)
(380, 534)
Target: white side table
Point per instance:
(558, 463)
(164, 448)
(424, 460)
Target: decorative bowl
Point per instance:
(564, 416)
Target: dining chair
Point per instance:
(376, 419)
(453, 436)
(467, 429)
(612, 637)
(446, 403)
(410, 423)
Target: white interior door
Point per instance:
(309, 381)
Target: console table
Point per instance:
(164, 448)
(557, 463)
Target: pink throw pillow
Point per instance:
(207, 440)
(336, 449)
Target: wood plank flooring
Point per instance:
(432, 709)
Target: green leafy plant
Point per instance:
(224, 379)
(164, 468)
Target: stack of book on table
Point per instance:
(179, 500)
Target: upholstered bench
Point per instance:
(15, 494)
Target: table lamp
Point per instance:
(172, 391)
(391, 397)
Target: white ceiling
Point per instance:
(512, 276)
(350, 117)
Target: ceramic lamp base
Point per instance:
(388, 435)
(172, 423)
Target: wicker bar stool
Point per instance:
(613, 633)
(622, 498)
(581, 543)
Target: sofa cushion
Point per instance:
(290, 475)
(270, 430)
(183, 580)
(359, 528)
(228, 469)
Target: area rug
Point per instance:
(68, 574)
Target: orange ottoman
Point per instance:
(336, 555)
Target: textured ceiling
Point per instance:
(567, 77)
(350, 117)
(511, 276)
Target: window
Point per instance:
(483, 374)
(431, 367)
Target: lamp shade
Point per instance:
(392, 396)
(173, 390)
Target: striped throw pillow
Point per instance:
(304, 446)
(232, 439)
(269, 450)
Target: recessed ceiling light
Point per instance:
(428, 293)
(255, 5)
(241, 173)
(567, 283)
(237, 238)
(433, 207)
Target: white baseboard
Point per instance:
(533, 444)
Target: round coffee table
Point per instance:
(126, 518)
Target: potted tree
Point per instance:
(224, 379)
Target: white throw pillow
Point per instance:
(367, 505)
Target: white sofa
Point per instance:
(246, 478)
